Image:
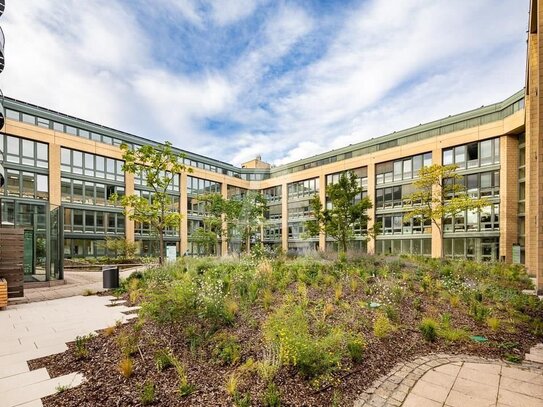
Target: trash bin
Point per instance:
(110, 276)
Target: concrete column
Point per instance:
(437, 243)
(284, 216)
(55, 194)
(371, 212)
(322, 197)
(129, 190)
(534, 149)
(183, 227)
(224, 241)
(509, 190)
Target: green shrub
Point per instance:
(428, 328)
(226, 348)
(417, 304)
(242, 400)
(163, 359)
(272, 396)
(478, 311)
(147, 393)
(81, 350)
(382, 327)
(356, 349)
(128, 343)
(313, 355)
(493, 323)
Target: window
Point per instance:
(473, 154)
(448, 157)
(486, 152)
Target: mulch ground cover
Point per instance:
(105, 386)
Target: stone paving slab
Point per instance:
(34, 330)
(440, 380)
(76, 283)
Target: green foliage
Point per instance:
(428, 328)
(242, 400)
(119, 247)
(512, 358)
(356, 348)
(226, 348)
(158, 166)
(347, 211)
(128, 343)
(439, 194)
(382, 327)
(478, 311)
(147, 393)
(417, 304)
(81, 350)
(184, 387)
(313, 355)
(272, 396)
(163, 359)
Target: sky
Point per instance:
(233, 79)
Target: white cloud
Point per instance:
(383, 68)
(225, 12)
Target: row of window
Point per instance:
(479, 249)
(472, 155)
(24, 152)
(361, 173)
(97, 222)
(402, 169)
(273, 194)
(303, 189)
(140, 180)
(89, 193)
(92, 165)
(144, 229)
(24, 184)
(233, 192)
(172, 200)
(484, 184)
(198, 186)
(22, 214)
(422, 247)
(273, 213)
(394, 224)
(473, 221)
(273, 232)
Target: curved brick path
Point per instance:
(457, 381)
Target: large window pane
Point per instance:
(28, 185)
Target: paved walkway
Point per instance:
(77, 283)
(457, 381)
(30, 331)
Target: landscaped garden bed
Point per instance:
(301, 332)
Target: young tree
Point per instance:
(207, 236)
(157, 166)
(440, 195)
(247, 215)
(345, 211)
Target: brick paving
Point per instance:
(439, 380)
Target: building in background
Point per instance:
(61, 172)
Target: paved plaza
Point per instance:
(76, 283)
(30, 331)
(457, 381)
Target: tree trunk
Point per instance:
(161, 249)
(248, 241)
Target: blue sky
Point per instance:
(281, 79)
